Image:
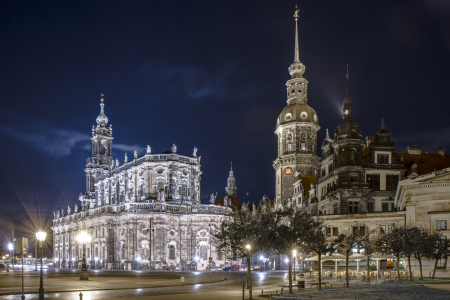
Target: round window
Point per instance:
(203, 233)
(185, 172)
(160, 171)
(172, 233)
(304, 115)
(288, 116)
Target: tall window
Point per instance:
(442, 263)
(374, 181)
(203, 254)
(385, 206)
(352, 207)
(441, 225)
(383, 158)
(335, 231)
(391, 182)
(369, 206)
(328, 231)
(171, 252)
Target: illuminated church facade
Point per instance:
(144, 211)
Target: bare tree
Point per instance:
(346, 242)
(314, 239)
(392, 243)
(438, 248)
(243, 233)
(415, 244)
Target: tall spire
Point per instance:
(382, 124)
(297, 55)
(102, 119)
(328, 136)
(348, 76)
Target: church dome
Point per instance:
(298, 112)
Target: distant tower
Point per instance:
(101, 158)
(296, 129)
(231, 183)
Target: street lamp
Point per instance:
(40, 236)
(294, 254)
(11, 260)
(83, 238)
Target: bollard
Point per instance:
(243, 292)
(262, 292)
(270, 296)
(309, 297)
(81, 296)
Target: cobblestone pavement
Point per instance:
(130, 285)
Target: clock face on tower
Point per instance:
(287, 171)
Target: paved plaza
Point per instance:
(60, 284)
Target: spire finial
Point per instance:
(347, 76)
(102, 97)
(231, 166)
(382, 123)
(297, 56)
(328, 136)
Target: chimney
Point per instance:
(414, 150)
(441, 151)
(369, 140)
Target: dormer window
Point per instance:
(414, 168)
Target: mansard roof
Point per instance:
(426, 162)
(235, 203)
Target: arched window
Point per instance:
(203, 254)
(171, 252)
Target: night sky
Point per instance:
(209, 74)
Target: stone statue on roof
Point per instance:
(212, 198)
(126, 158)
(135, 154)
(149, 149)
(195, 152)
(174, 148)
(76, 208)
(69, 210)
(244, 206)
(58, 214)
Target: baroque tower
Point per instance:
(231, 183)
(101, 158)
(296, 130)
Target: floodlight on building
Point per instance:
(10, 247)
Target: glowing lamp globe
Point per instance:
(83, 237)
(40, 236)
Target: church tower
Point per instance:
(296, 130)
(101, 158)
(231, 183)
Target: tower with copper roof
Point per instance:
(296, 130)
(101, 156)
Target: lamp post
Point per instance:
(294, 254)
(40, 236)
(10, 248)
(83, 238)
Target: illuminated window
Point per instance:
(383, 158)
(303, 146)
(171, 252)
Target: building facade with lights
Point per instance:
(146, 210)
(356, 181)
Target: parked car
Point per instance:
(228, 269)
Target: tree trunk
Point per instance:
(346, 265)
(290, 276)
(409, 265)
(420, 266)
(249, 275)
(435, 266)
(320, 275)
(398, 268)
(368, 269)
